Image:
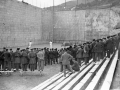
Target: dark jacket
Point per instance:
(75, 66)
(79, 53)
(17, 56)
(32, 57)
(6, 56)
(109, 44)
(86, 51)
(24, 58)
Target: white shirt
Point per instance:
(50, 44)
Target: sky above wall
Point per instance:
(45, 3)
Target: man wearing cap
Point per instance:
(32, 57)
(104, 51)
(108, 46)
(86, 53)
(24, 60)
(7, 60)
(93, 45)
(12, 57)
(41, 56)
(65, 59)
(79, 55)
(17, 59)
(2, 58)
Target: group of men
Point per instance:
(96, 49)
(71, 56)
(22, 59)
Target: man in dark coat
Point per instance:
(32, 57)
(7, 64)
(86, 53)
(56, 55)
(24, 60)
(93, 49)
(79, 55)
(101, 48)
(108, 46)
(104, 51)
(98, 50)
(2, 58)
(12, 57)
(51, 56)
(17, 59)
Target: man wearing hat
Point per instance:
(79, 55)
(93, 45)
(86, 53)
(2, 58)
(65, 59)
(41, 60)
(32, 57)
(108, 46)
(7, 60)
(17, 59)
(12, 57)
(24, 60)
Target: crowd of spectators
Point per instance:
(69, 58)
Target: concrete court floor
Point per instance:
(28, 80)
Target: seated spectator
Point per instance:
(75, 66)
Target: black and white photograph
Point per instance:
(59, 44)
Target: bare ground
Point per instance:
(28, 80)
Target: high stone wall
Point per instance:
(85, 25)
(19, 23)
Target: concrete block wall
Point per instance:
(47, 25)
(19, 24)
(69, 25)
(85, 24)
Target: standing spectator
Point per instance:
(74, 50)
(51, 56)
(65, 58)
(56, 55)
(17, 59)
(32, 57)
(7, 64)
(79, 55)
(45, 57)
(12, 57)
(101, 49)
(60, 61)
(108, 46)
(93, 50)
(24, 60)
(41, 62)
(104, 51)
(2, 58)
(86, 53)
